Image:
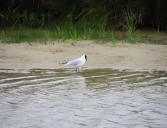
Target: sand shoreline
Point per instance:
(48, 56)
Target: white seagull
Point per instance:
(77, 63)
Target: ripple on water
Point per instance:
(91, 98)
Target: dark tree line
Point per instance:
(41, 13)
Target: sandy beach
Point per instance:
(48, 56)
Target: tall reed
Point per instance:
(131, 20)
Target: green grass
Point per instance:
(17, 35)
(84, 31)
(67, 30)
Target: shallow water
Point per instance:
(97, 98)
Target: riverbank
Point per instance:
(48, 56)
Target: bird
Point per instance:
(77, 63)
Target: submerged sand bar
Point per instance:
(48, 56)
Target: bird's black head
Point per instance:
(86, 57)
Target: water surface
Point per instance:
(97, 98)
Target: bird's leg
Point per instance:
(77, 69)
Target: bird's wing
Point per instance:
(74, 62)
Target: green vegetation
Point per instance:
(113, 20)
(131, 21)
(22, 34)
(94, 29)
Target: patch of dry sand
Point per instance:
(48, 56)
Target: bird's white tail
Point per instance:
(63, 64)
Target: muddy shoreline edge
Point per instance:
(48, 56)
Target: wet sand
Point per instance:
(48, 56)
